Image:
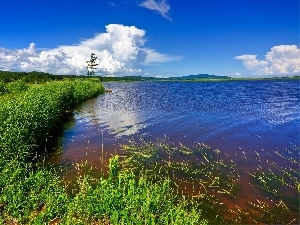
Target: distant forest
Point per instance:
(41, 77)
(30, 77)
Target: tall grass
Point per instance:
(27, 117)
(17, 87)
(124, 198)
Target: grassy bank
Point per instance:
(27, 116)
(32, 193)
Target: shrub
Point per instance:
(3, 89)
(17, 87)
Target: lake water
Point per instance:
(231, 116)
(225, 115)
(253, 118)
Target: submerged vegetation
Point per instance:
(212, 180)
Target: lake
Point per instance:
(254, 120)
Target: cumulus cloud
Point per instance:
(120, 50)
(161, 7)
(281, 60)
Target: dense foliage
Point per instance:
(33, 77)
(3, 88)
(27, 117)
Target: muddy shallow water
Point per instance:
(253, 120)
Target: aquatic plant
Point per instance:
(206, 176)
(196, 173)
(124, 198)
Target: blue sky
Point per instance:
(238, 38)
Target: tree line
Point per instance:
(33, 77)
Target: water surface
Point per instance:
(253, 123)
(230, 116)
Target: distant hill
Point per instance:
(39, 77)
(199, 76)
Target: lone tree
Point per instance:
(91, 65)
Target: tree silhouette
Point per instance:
(91, 65)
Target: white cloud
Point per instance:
(111, 4)
(281, 60)
(161, 7)
(120, 50)
(153, 56)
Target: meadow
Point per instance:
(32, 192)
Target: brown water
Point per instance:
(253, 123)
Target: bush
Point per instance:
(3, 89)
(86, 88)
(17, 87)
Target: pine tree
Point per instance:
(91, 65)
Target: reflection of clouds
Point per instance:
(117, 112)
(119, 123)
(168, 108)
(124, 123)
(121, 110)
(88, 113)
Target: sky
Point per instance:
(160, 38)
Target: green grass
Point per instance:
(3, 88)
(28, 116)
(36, 196)
(124, 198)
(13, 87)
